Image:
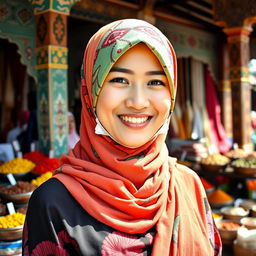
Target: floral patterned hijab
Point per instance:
(131, 190)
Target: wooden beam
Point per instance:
(193, 13)
(125, 4)
(200, 7)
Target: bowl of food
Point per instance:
(245, 166)
(245, 243)
(214, 162)
(218, 198)
(18, 194)
(213, 167)
(228, 230)
(247, 204)
(18, 167)
(239, 250)
(11, 226)
(253, 211)
(7, 234)
(234, 212)
(249, 222)
(236, 153)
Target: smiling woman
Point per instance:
(118, 192)
(128, 104)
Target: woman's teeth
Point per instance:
(135, 120)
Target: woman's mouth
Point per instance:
(135, 121)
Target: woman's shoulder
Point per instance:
(184, 172)
(50, 191)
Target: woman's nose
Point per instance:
(137, 98)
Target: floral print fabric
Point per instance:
(66, 237)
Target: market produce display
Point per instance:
(236, 153)
(41, 179)
(219, 198)
(245, 163)
(12, 220)
(215, 159)
(229, 225)
(47, 165)
(17, 165)
(35, 157)
(19, 188)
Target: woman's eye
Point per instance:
(119, 80)
(156, 82)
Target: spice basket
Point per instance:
(245, 170)
(239, 251)
(213, 167)
(228, 235)
(8, 234)
(253, 211)
(219, 198)
(19, 199)
(249, 222)
(219, 205)
(235, 217)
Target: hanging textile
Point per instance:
(213, 110)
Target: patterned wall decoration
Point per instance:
(51, 29)
(17, 24)
(239, 74)
(52, 65)
(61, 6)
(42, 29)
(43, 112)
(59, 29)
(191, 42)
(52, 57)
(59, 110)
(238, 44)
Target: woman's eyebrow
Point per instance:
(156, 72)
(128, 71)
(123, 70)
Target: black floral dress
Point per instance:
(58, 225)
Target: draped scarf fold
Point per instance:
(130, 190)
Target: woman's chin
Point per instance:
(132, 143)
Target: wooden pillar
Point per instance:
(147, 12)
(52, 64)
(239, 53)
(224, 88)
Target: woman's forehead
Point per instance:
(137, 58)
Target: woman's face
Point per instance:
(135, 100)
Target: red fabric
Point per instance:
(213, 109)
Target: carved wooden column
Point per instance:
(224, 88)
(239, 53)
(237, 19)
(52, 64)
(147, 12)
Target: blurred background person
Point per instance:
(73, 137)
(22, 123)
